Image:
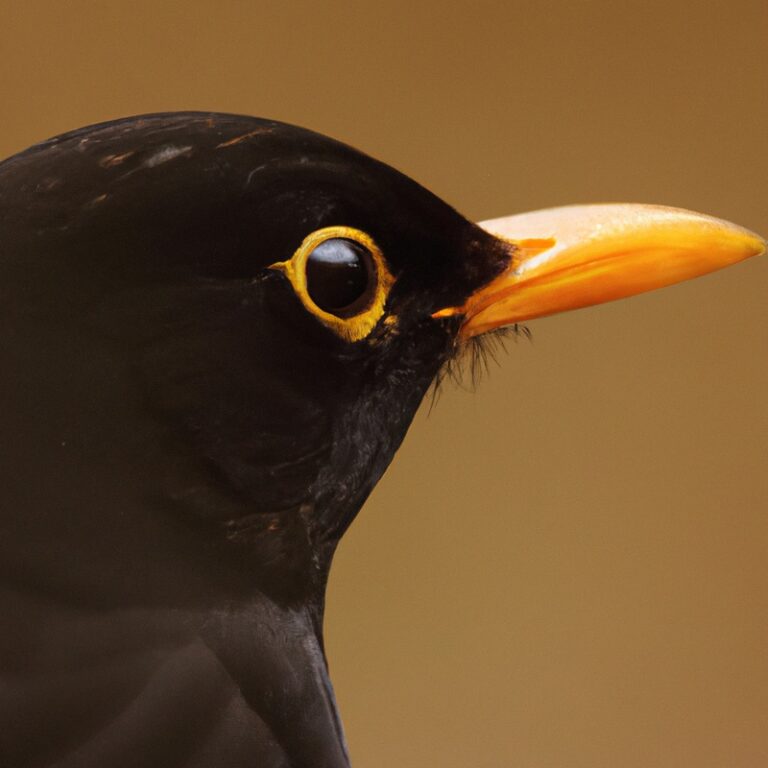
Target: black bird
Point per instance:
(214, 333)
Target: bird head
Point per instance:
(218, 330)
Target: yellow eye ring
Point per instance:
(359, 325)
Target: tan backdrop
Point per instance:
(567, 567)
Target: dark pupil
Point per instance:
(338, 276)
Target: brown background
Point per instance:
(568, 567)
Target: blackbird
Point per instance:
(214, 333)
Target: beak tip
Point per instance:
(747, 245)
(758, 246)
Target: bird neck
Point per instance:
(283, 675)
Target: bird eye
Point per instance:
(340, 276)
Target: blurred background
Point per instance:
(568, 566)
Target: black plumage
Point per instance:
(183, 443)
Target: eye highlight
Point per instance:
(340, 276)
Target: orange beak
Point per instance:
(576, 256)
